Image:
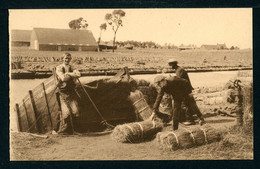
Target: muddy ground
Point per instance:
(102, 147)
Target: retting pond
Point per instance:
(20, 87)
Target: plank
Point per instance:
(47, 105)
(34, 111)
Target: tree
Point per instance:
(79, 23)
(103, 26)
(115, 20)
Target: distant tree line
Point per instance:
(138, 44)
(234, 48)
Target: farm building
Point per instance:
(188, 47)
(20, 37)
(214, 47)
(49, 39)
(129, 46)
(185, 48)
(110, 45)
(102, 45)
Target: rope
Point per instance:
(129, 135)
(103, 120)
(138, 101)
(142, 129)
(154, 124)
(193, 138)
(205, 135)
(129, 127)
(175, 138)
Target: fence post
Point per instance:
(19, 125)
(47, 104)
(34, 110)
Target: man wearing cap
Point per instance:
(181, 72)
(179, 89)
(67, 76)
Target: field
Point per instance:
(136, 59)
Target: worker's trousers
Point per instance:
(190, 102)
(69, 107)
(192, 107)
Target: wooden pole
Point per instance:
(54, 75)
(19, 125)
(127, 73)
(47, 104)
(59, 109)
(34, 110)
(26, 113)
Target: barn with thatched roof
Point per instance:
(20, 37)
(49, 39)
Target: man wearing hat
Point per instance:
(181, 72)
(179, 89)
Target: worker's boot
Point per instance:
(189, 121)
(64, 127)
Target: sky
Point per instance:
(198, 26)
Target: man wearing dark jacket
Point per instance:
(181, 72)
(180, 91)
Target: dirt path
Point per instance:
(89, 147)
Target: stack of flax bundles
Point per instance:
(187, 137)
(140, 131)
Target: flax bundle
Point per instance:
(212, 135)
(187, 137)
(174, 139)
(137, 131)
(142, 109)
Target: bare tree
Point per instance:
(115, 20)
(79, 23)
(103, 26)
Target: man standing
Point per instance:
(180, 90)
(181, 73)
(66, 84)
